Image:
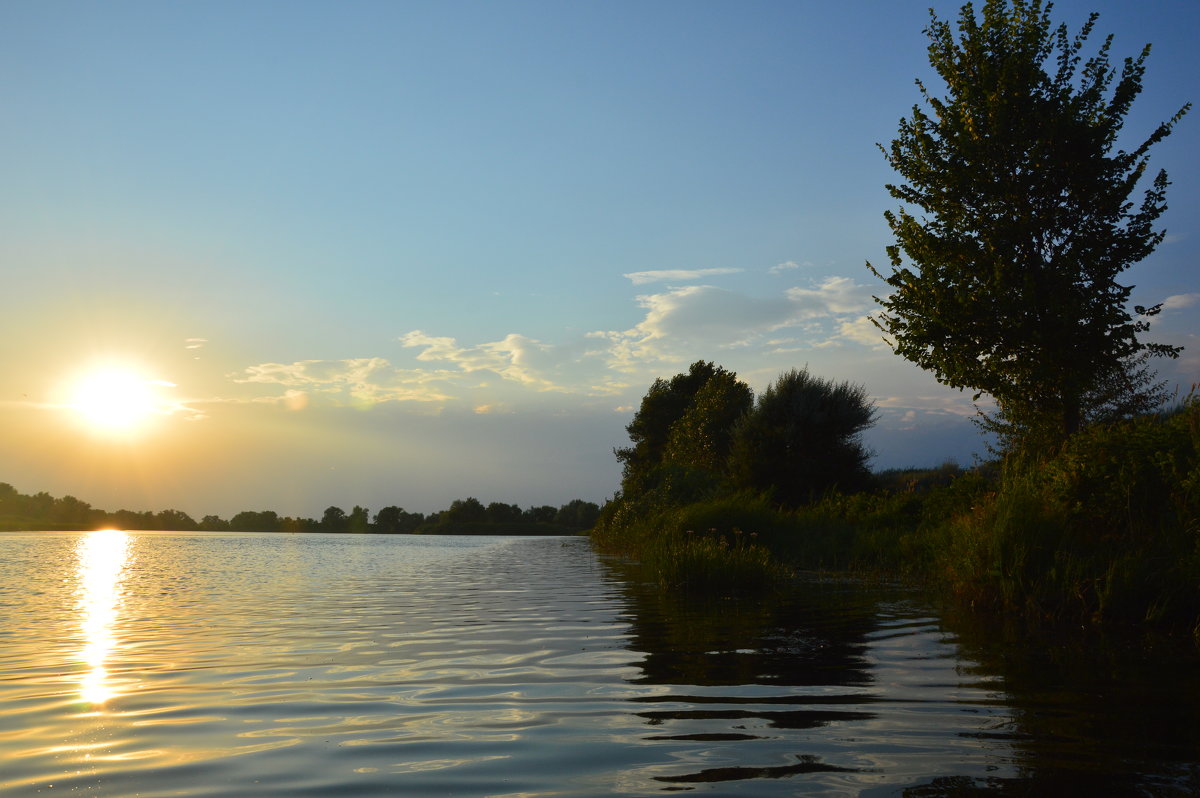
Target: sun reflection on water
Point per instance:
(102, 556)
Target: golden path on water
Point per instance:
(102, 556)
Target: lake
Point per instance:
(210, 664)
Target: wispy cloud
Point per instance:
(957, 404)
(678, 324)
(705, 317)
(1180, 301)
(676, 275)
(787, 266)
(358, 380)
(194, 343)
(515, 357)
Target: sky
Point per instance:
(398, 253)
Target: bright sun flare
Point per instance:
(117, 400)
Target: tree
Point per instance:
(540, 515)
(255, 521)
(334, 519)
(670, 405)
(802, 439)
(175, 519)
(214, 523)
(700, 438)
(466, 511)
(1025, 220)
(358, 521)
(393, 520)
(501, 513)
(578, 514)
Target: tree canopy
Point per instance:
(669, 406)
(702, 433)
(803, 439)
(1016, 219)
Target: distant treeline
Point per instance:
(41, 511)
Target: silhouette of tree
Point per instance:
(176, 520)
(213, 523)
(255, 521)
(577, 514)
(540, 515)
(334, 520)
(393, 520)
(358, 520)
(465, 511)
(501, 513)
(1024, 221)
(803, 439)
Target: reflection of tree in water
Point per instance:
(809, 642)
(813, 635)
(754, 683)
(1092, 713)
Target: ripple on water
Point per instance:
(286, 665)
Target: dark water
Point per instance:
(172, 664)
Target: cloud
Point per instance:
(786, 266)
(194, 343)
(676, 275)
(835, 295)
(955, 404)
(861, 330)
(1180, 301)
(359, 380)
(679, 324)
(515, 357)
(704, 317)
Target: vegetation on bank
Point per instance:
(1106, 529)
(41, 511)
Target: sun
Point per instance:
(117, 400)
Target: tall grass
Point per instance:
(699, 546)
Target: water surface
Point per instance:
(176, 664)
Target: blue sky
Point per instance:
(402, 252)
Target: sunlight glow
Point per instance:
(118, 400)
(102, 557)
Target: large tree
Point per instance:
(1016, 219)
(802, 439)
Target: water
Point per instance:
(181, 664)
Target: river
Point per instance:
(210, 664)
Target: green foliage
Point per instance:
(710, 562)
(1025, 220)
(358, 521)
(1107, 528)
(802, 439)
(701, 437)
(699, 546)
(669, 415)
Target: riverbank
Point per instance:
(1105, 531)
